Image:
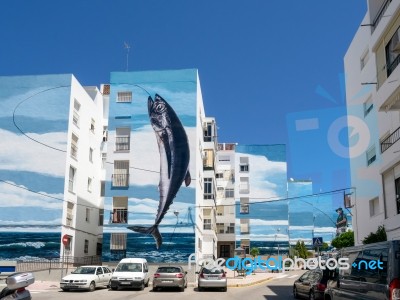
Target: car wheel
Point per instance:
(65, 290)
(224, 289)
(114, 288)
(142, 286)
(92, 286)
(199, 288)
(295, 294)
(182, 288)
(311, 296)
(147, 283)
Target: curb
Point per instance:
(250, 283)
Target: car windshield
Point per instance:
(213, 271)
(129, 267)
(85, 270)
(168, 270)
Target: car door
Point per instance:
(302, 283)
(100, 276)
(107, 275)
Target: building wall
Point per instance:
(142, 192)
(375, 203)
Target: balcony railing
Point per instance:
(390, 140)
(119, 215)
(120, 180)
(122, 143)
(244, 209)
(380, 14)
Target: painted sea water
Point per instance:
(176, 248)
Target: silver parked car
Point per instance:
(212, 278)
(170, 277)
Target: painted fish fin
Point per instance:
(153, 230)
(188, 179)
(165, 140)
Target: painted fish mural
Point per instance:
(174, 151)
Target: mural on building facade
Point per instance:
(157, 202)
(34, 113)
(174, 159)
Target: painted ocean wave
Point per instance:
(36, 245)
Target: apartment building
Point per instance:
(50, 157)
(160, 165)
(373, 103)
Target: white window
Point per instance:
(374, 207)
(207, 224)
(244, 226)
(89, 184)
(103, 160)
(74, 146)
(244, 164)
(229, 193)
(124, 96)
(224, 158)
(71, 179)
(122, 139)
(75, 116)
(244, 205)
(371, 155)
(220, 210)
(87, 215)
(244, 186)
(208, 188)
(91, 155)
(70, 214)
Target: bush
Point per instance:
(378, 236)
(346, 239)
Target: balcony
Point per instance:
(120, 180)
(244, 209)
(122, 143)
(390, 140)
(380, 14)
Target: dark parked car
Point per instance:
(374, 273)
(170, 277)
(311, 284)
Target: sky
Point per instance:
(259, 61)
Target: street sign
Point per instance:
(318, 241)
(65, 240)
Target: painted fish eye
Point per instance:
(160, 108)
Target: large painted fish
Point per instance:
(174, 151)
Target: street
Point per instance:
(279, 287)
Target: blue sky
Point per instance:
(259, 61)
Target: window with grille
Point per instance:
(120, 178)
(244, 226)
(70, 214)
(86, 249)
(122, 139)
(101, 217)
(74, 146)
(87, 215)
(71, 179)
(368, 105)
(207, 224)
(229, 193)
(244, 186)
(124, 96)
(244, 164)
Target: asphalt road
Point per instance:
(278, 288)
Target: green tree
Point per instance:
(346, 239)
(323, 247)
(301, 250)
(254, 252)
(378, 236)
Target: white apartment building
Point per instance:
(225, 180)
(83, 210)
(373, 102)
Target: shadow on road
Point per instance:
(280, 291)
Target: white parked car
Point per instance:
(86, 278)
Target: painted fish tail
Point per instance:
(153, 230)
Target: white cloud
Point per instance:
(55, 222)
(262, 170)
(267, 223)
(19, 153)
(19, 197)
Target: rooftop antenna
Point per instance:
(127, 47)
